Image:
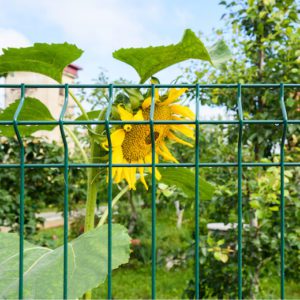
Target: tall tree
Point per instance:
(264, 38)
(266, 46)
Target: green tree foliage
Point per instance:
(265, 42)
(266, 46)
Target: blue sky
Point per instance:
(101, 26)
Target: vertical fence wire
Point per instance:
(66, 191)
(22, 189)
(282, 202)
(153, 196)
(109, 204)
(240, 196)
(197, 233)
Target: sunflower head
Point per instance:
(132, 144)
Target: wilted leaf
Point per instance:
(93, 115)
(184, 179)
(42, 58)
(43, 267)
(219, 53)
(150, 60)
(32, 110)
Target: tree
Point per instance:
(264, 37)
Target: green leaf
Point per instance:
(32, 110)
(254, 204)
(221, 242)
(94, 114)
(221, 256)
(184, 179)
(150, 60)
(219, 53)
(42, 58)
(43, 267)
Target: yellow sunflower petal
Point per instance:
(178, 140)
(126, 174)
(118, 176)
(138, 116)
(182, 119)
(124, 114)
(133, 175)
(173, 95)
(117, 138)
(141, 171)
(157, 175)
(164, 151)
(147, 101)
(117, 158)
(182, 110)
(183, 129)
(148, 159)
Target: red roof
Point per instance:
(72, 69)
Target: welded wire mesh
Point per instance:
(197, 164)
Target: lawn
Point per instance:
(133, 281)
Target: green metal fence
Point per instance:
(197, 165)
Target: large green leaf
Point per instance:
(32, 110)
(150, 60)
(46, 59)
(184, 179)
(43, 267)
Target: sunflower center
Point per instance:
(137, 142)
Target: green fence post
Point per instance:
(66, 190)
(240, 194)
(107, 128)
(153, 194)
(197, 230)
(282, 202)
(22, 187)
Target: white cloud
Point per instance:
(12, 38)
(102, 25)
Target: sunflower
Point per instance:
(131, 144)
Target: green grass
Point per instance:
(134, 282)
(51, 237)
(270, 289)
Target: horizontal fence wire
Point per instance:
(66, 165)
(163, 165)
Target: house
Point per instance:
(52, 98)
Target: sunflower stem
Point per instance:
(91, 193)
(90, 205)
(92, 183)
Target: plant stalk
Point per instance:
(91, 194)
(114, 202)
